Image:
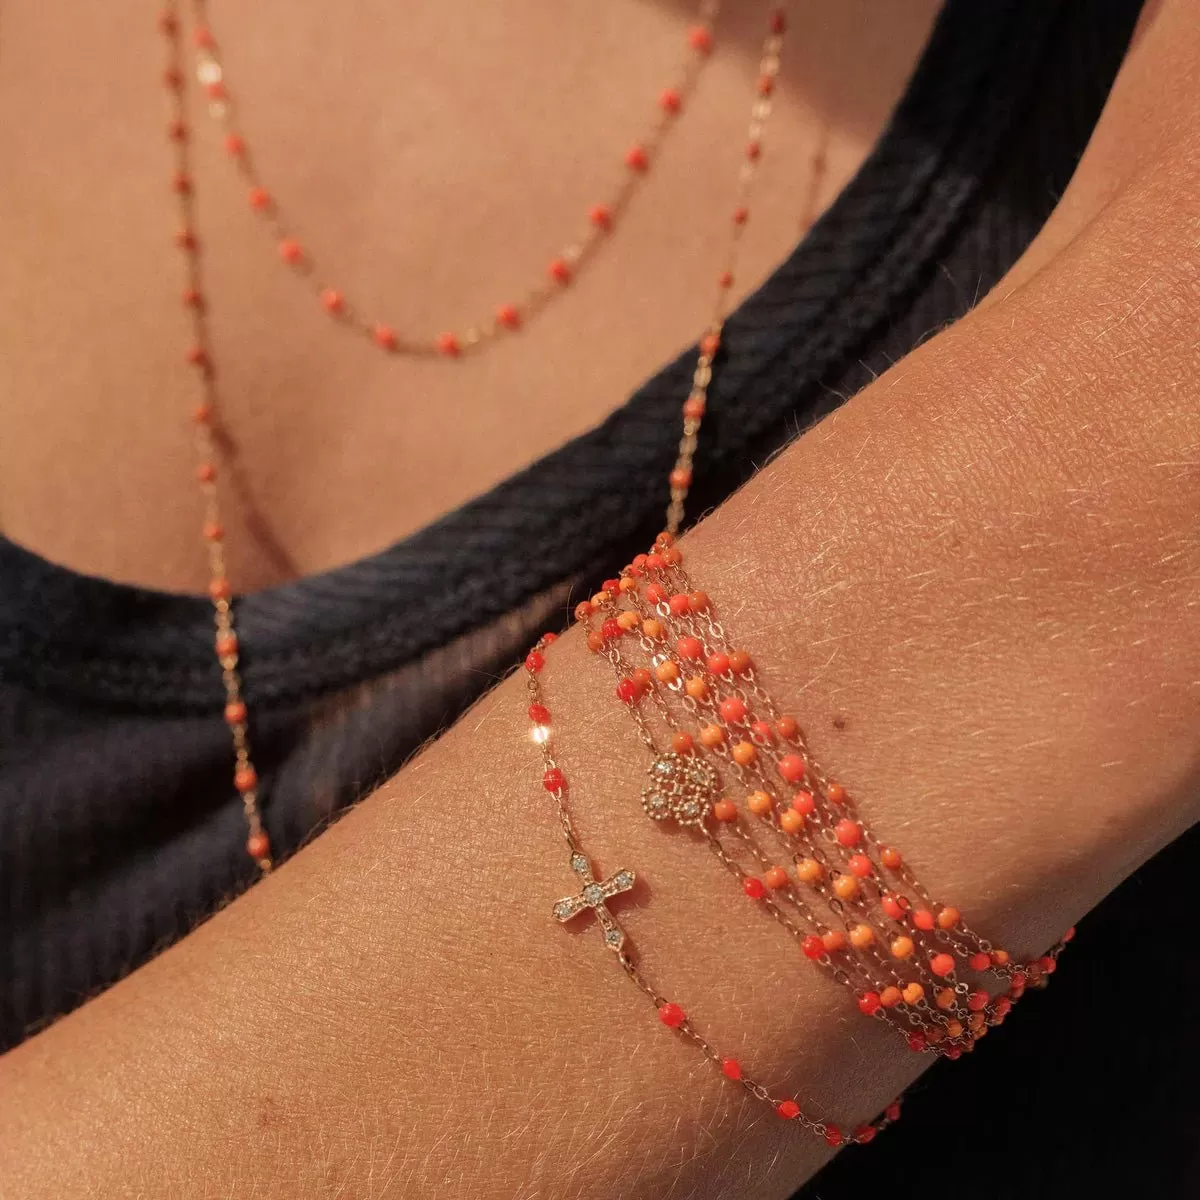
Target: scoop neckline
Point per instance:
(96, 639)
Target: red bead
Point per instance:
(447, 344)
(1048, 964)
(733, 709)
(755, 888)
(710, 343)
(1002, 1007)
(245, 779)
(778, 21)
(718, 663)
(384, 336)
(868, 1003)
(792, 768)
(762, 732)
(789, 1110)
(212, 532)
(786, 727)
(235, 144)
(847, 832)
(812, 946)
(678, 604)
(700, 39)
(860, 865)
(803, 803)
(954, 1053)
(290, 251)
(891, 906)
(916, 1041)
(655, 593)
(725, 279)
(509, 316)
(671, 1015)
(216, 90)
(833, 1136)
(979, 961)
(333, 300)
(610, 629)
(1019, 979)
(627, 691)
(600, 215)
(583, 610)
(534, 660)
(554, 780)
(206, 472)
(539, 714)
(259, 198)
(636, 158)
(670, 100)
(922, 918)
(611, 586)
(258, 846)
(689, 647)
(864, 1135)
(1069, 936)
(892, 1112)
(559, 270)
(697, 601)
(235, 712)
(655, 562)
(202, 38)
(731, 1068)
(941, 964)
(693, 408)
(977, 1001)
(547, 638)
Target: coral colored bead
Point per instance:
(202, 38)
(808, 870)
(739, 662)
(954, 1029)
(740, 215)
(196, 356)
(655, 562)
(680, 477)
(803, 803)
(833, 1136)
(670, 100)
(671, 1015)
(892, 1112)
(192, 298)
(743, 753)
(976, 1021)
(725, 810)
(922, 918)
(534, 660)
(847, 832)
(979, 961)
(833, 941)
(245, 779)
(868, 1003)
(846, 887)
(718, 663)
(559, 270)
(891, 858)
(206, 472)
(697, 601)
(508, 315)
(385, 336)
(791, 821)
(220, 589)
(554, 780)
(629, 621)
(652, 628)
(712, 735)
(778, 21)
(600, 215)
(836, 793)
(890, 996)
(789, 1110)
(954, 1053)
(731, 1068)
(754, 887)
(916, 1042)
(753, 150)
(775, 878)
(226, 645)
(902, 947)
(216, 90)
(595, 641)
(792, 768)
(941, 964)
(725, 279)
(977, 1001)
(636, 158)
(655, 593)
(643, 679)
(1069, 936)
(786, 727)
(860, 865)
(812, 946)
(539, 714)
(693, 408)
(733, 710)
(290, 251)
(611, 628)
(258, 845)
(333, 300)
(448, 344)
(913, 992)
(1000, 958)
(766, 85)
(235, 713)
(1048, 964)
(864, 1135)
(627, 690)
(202, 414)
(948, 917)
(861, 936)
(667, 671)
(762, 733)
(710, 343)
(891, 906)
(678, 604)
(599, 599)
(700, 39)
(547, 638)
(1002, 1007)
(696, 688)
(235, 144)
(681, 743)
(689, 647)
(945, 998)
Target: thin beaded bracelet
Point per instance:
(851, 902)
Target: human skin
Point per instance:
(984, 566)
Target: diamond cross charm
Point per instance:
(595, 895)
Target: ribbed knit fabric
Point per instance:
(118, 828)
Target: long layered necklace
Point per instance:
(602, 219)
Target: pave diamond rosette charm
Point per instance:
(682, 788)
(595, 895)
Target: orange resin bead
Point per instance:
(846, 887)
(739, 662)
(712, 735)
(834, 940)
(696, 688)
(667, 671)
(941, 964)
(791, 821)
(258, 845)
(948, 917)
(595, 641)
(743, 753)
(902, 947)
(776, 877)
(890, 858)
(628, 621)
(954, 1029)
(786, 727)
(808, 870)
(682, 743)
(726, 810)
(913, 992)
(759, 803)
(945, 998)
(652, 627)
(890, 996)
(861, 936)
(836, 793)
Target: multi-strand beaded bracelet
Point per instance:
(728, 765)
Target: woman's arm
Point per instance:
(985, 567)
